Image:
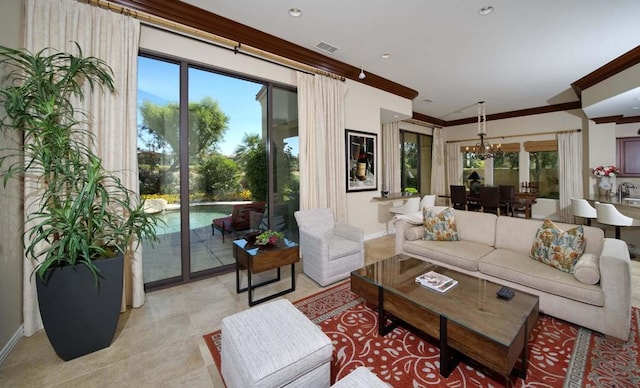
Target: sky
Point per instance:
(158, 82)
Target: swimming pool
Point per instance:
(199, 216)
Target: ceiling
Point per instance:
(525, 54)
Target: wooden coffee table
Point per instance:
(256, 259)
(468, 319)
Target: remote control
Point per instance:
(505, 293)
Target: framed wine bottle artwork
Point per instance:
(361, 161)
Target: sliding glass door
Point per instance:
(210, 144)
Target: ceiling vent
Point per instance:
(326, 47)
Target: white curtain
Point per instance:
(569, 172)
(454, 164)
(322, 146)
(391, 157)
(438, 180)
(113, 38)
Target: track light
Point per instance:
(362, 75)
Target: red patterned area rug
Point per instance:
(561, 354)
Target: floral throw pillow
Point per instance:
(558, 248)
(440, 226)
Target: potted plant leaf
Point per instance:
(83, 219)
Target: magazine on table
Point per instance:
(436, 281)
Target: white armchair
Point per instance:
(330, 251)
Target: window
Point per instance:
(506, 167)
(415, 154)
(470, 165)
(543, 167)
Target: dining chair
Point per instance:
(490, 200)
(458, 197)
(507, 195)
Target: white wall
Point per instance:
(362, 112)
(363, 105)
(11, 256)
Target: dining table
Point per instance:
(522, 200)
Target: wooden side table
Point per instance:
(257, 258)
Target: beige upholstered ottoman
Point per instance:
(360, 378)
(272, 345)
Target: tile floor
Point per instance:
(160, 344)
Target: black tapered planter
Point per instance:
(78, 316)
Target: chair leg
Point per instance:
(588, 221)
(618, 232)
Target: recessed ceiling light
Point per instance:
(295, 12)
(427, 100)
(635, 107)
(385, 56)
(485, 10)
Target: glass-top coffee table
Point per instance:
(468, 318)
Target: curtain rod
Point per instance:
(520, 135)
(421, 123)
(218, 41)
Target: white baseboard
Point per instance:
(13, 341)
(378, 234)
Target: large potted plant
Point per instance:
(83, 219)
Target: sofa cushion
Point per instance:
(518, 268)
(475, 226)
(587, 269)
(440, 226)
(557, 248)
(526, 231)
(462, 254)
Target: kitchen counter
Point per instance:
(629, 206)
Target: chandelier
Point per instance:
(483, 150)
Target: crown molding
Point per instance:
(194, 17)
(623, 62)
(428, 119)
(519, 113)
(619, 119)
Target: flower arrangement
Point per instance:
(269, 237)
(608, 171)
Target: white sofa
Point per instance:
(497, 249)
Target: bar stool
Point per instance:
(582, 208)
(609, 215)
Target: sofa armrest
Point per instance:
(349, 232)
(615, 279)
(401, 227)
